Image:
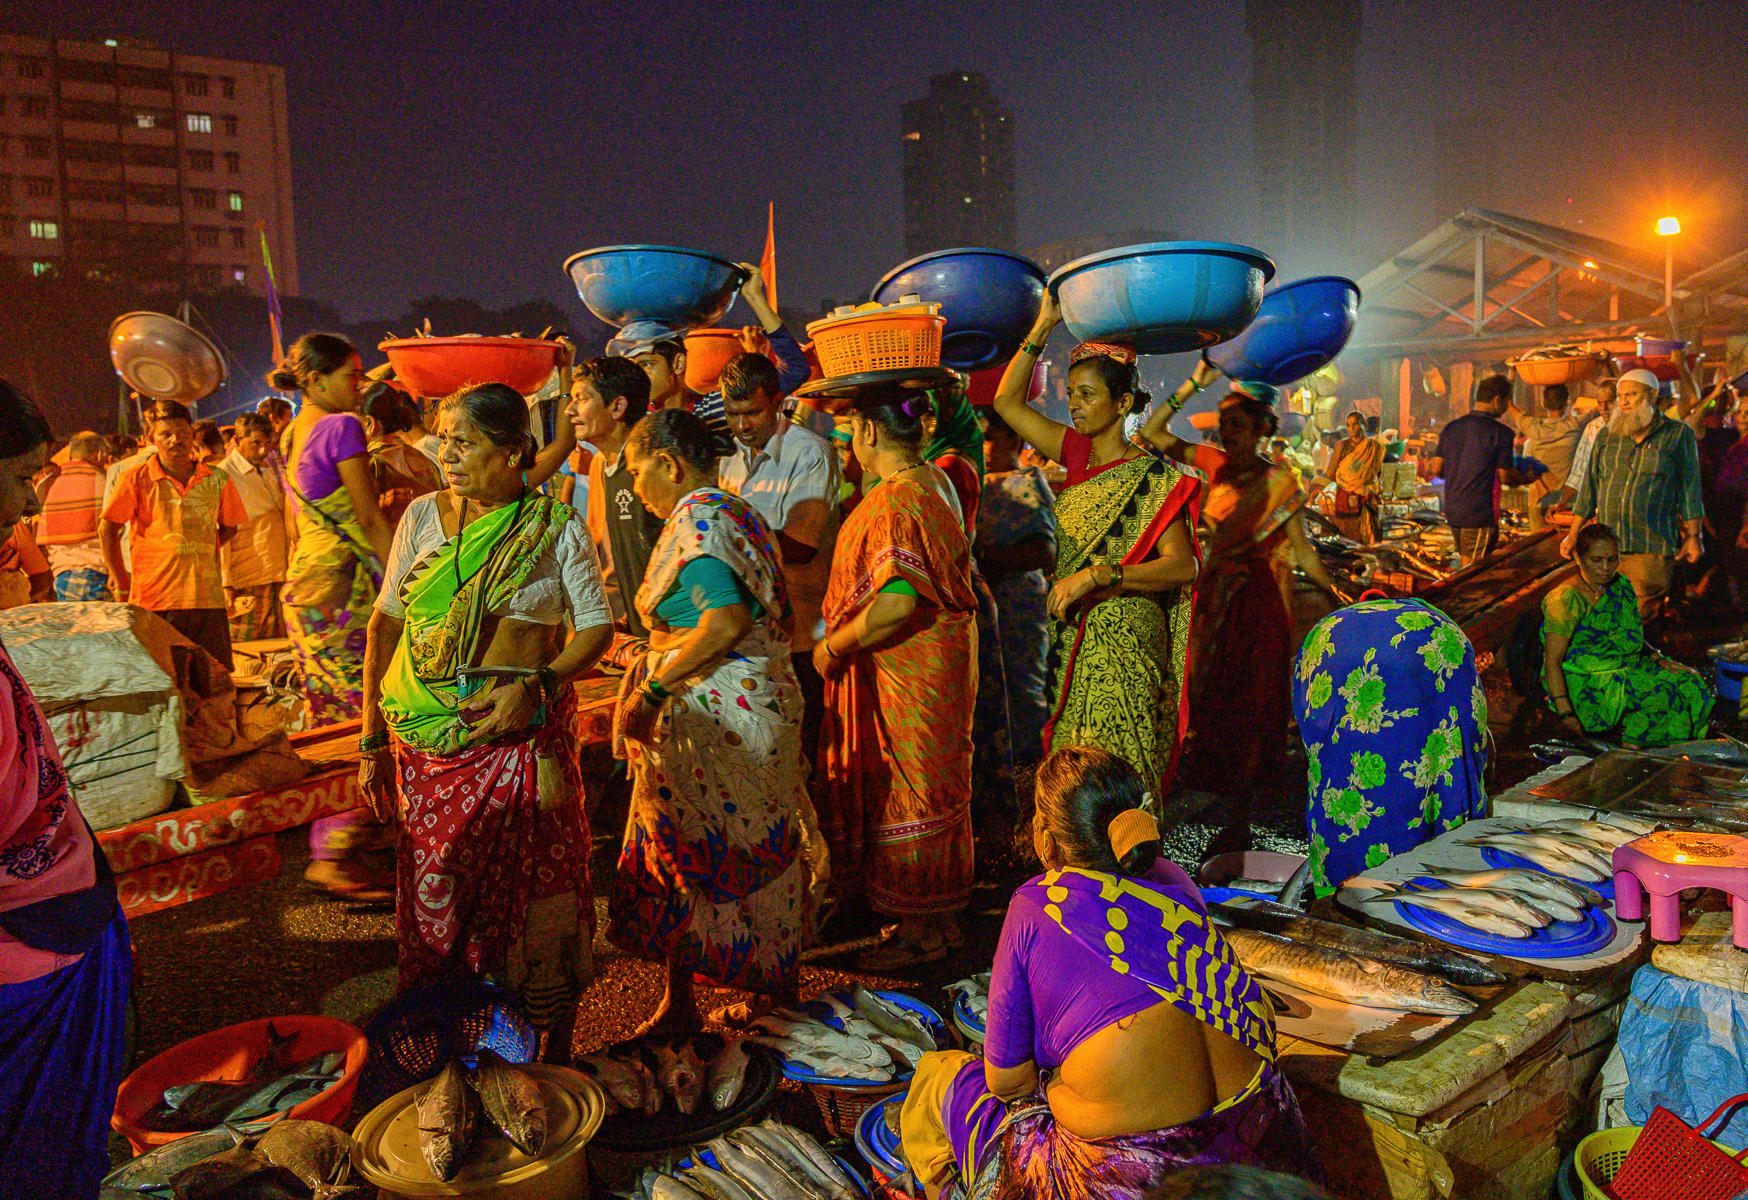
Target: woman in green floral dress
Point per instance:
(1395, 727)
(1600, 675)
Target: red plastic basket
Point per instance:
(1670, 1161)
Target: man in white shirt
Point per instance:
(1580, 468)
(790, 475)
(252, 564)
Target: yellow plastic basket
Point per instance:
(1599, 1157)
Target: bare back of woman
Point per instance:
(1159, 1068)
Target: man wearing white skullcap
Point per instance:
(1643, 483)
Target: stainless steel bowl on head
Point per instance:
(158, 356)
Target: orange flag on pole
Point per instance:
(768, 260)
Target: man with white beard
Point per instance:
(1643, 482)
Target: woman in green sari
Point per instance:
(1125, 562)
(467, 695)
(1600, 675)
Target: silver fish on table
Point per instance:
(666, 1187)
(801, 1028)
(616, 1077)
(1533, 884)
(714, 1184)
(1637, 825)
(727, 1075)
(825, 1166)
(1598, 833)
(1465, 909)
(1550, 853)
(1497, 901)
(891, 1019)
(1325, 971)
(1443, 961)
(754, 1172)
(822, 1062)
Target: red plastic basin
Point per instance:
(982, 388)
(227, 1054)
(436, 367)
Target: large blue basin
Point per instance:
(989, 297)
(1162, 297)
(680, 287)
(1300, 327)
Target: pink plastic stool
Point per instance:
(1663, 864)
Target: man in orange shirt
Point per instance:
(24, 572)
(178, 513)
(67, 526)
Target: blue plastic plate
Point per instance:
(822, 1010)
(876, 1143)
(1220, 895)
(1562, 939)
(1500, 858)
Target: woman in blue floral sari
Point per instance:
(1394, 722)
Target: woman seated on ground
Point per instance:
(1086, 1006)
(1599, 673)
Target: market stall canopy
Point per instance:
(1490, 283)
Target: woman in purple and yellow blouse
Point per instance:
(1085, 1004)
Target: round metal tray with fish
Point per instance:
(1504, 858)
(876, 1142)
(823, 1012)
(1562, 939)
(635, 1133)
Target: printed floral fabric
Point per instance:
(712, 874)
(1616, 681)
(330, 588)
(1395, 723)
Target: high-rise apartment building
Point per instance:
(124, 160)
(1302, 104)
(958, 167)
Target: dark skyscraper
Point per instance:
(1302, 101)
(958, 167)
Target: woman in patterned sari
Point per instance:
(339, 543)
(900, 663)
(1120, 593)
(467, 678)
(1395, 726)
(1356, 467)
(714, 877)
(1107, 967)
(1602, 678)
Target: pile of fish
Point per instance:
(293, 1160)
(451, 1107)
(1357, 966)
(272, 1085)
(643, 1078)
(767, 1161)
(870, 1038)
(973, 993)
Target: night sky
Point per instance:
(468, 148)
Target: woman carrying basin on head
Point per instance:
(467, 699)
(1125, 562)
(1107, 968)
(1601, 676)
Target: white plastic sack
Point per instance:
(81, 651)
(123, 756)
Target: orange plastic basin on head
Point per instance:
(441, 366)
(707, 352)
(227, 1054)
(1541, 372)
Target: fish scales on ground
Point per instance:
(1453, 904)
(448, 1120)
(1452, 965)
(727, 1075)
(316, 1152)
(1339, 975)
(512, 1101)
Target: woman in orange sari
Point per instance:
(900, 663)
(1241, 637)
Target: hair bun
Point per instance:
(915, 406)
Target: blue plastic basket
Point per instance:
(421, 1030)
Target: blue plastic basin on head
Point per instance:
(622, 284)
(1163, 297)
(1299, 327)
(988, 297)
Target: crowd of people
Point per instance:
(840, 645)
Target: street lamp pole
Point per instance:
(1667, 228)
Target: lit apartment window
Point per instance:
(227, 87)
(238, 237)
(33, 106)
(46, 230)
(233, 163)
(240, 276)
(230, 126)
(35, 147)
(32, 68)
(203, 198)
(145, 121)
(199, 122)
(41, 268)
(206, 237)
(38, 188)
(236, 202)
(194, 85)
(200, 160)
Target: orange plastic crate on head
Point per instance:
(877, 342)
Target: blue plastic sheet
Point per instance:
(1686, 1047)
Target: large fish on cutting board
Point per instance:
(1448, 964)
(1339, 975)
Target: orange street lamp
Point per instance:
(1668, 227)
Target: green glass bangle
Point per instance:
(653, 688)
(1029, 348)
(372, 742)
